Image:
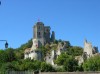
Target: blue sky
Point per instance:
(72, 20)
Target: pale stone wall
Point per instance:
(50, 58)
(26, 56)
(60, 48)
(80, 59)
(26, 53)
(88, 49)
(33, 55)
(35, 44)
(58, 52)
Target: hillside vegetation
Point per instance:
(13, 59)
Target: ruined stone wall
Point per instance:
(88, 49)
(50, 58)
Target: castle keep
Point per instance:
(41, 37)
(42, 34)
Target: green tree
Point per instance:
(56, 42)
(61, 59)
(75, 51)
(3, 56)
(26, 45)
(92, 64)
(67, 61)
(44, 52)
(71, 65)
(7, 55)
(19, 54)
(46, 67)
(67, 44)
(10, 54)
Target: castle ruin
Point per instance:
(42, 34)
(41, 37)
(88, 51)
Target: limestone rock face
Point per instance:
(50, 58)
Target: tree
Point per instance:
(55, 41)
(68, 62)
(3, 56)
(7, 55)
(61, 59)
(75, 51)
(68, 44)
(92, 64)
(19, 54)
(44, 52)
(46, 67)
(71, 65)
(26, 45)
(10, 54)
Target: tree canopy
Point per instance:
(13, 59)
(92, 64)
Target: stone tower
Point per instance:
(88, 49)
(41, 36)
(41, 33)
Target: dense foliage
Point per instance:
(68, 62)
(74, 51)
(92, 64)
(13, 59)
